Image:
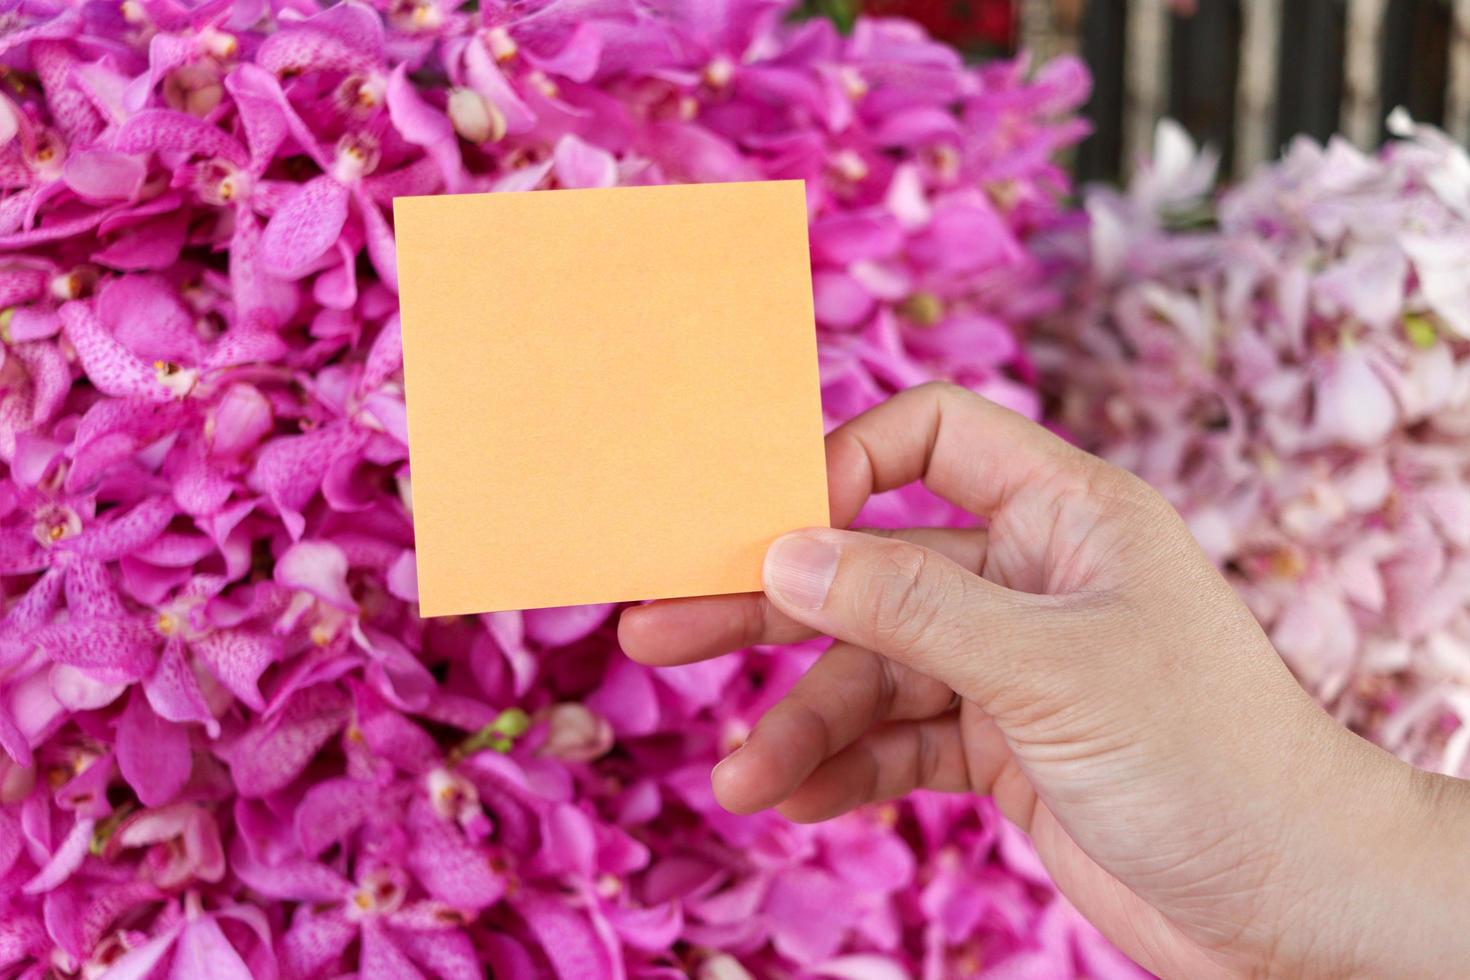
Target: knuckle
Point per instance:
(1126, 491)
(938, 387)
(754, 621)
(946, 391)
(904, 597)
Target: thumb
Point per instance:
(916, 607)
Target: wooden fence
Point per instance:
(1247, 75)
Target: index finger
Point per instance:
(680, 631)
(965, 448)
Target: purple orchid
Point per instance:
(228, 742)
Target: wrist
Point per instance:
(1418, 926)
(1389, 872)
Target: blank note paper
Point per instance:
(612, 394)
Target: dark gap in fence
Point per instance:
(1204, 67)
(1416, 57)
(1309, 85)
(1104, 33)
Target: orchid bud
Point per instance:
(576, 734)
(220, 44)
(194, 88)
(357, 156)
(9, 120)
(723, 966)
(849, 166)
(475, 118)
(74, 284)
(502, 46)
(543, 83)
(853, 82)
(362, 94)
(719, 72)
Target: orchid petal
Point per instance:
(332, 810)
(202, 950)
(162, 130)
(305, 226)
(424, 126)
(268, 758)
(104, 175)
(153, 754)
(237, 658)
(568, 938)
(116, 651)
(65, 860)
(382, 959)
(109, 365)
(314, 942)
(317, 567)
(173, 690)
(579, 164)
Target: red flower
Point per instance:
(961, 22)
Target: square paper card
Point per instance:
(612, 394)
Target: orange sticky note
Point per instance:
(612, 394)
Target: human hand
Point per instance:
(1081, 661)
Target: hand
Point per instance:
(1081, 661)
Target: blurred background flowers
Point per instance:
(227, 737)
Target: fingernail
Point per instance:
(714, 773)
(800, 569)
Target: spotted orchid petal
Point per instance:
(203, 950)
(173, 690)
(448, 866)
(265, 125)
(115, 651)
(381, 247)
(291, 879)
(164, 131)
(110, 539)
(317, 567)
(19, 284)
(445, 953)
(381, 956)
(14, 741)
(331, 810)
(564, 625)
(290, 469)
(108, 364)
(237, 658)
(385, 357)
(267, 759)
(104, 175)
(305, 226)
(314, 942)
(568, 938)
